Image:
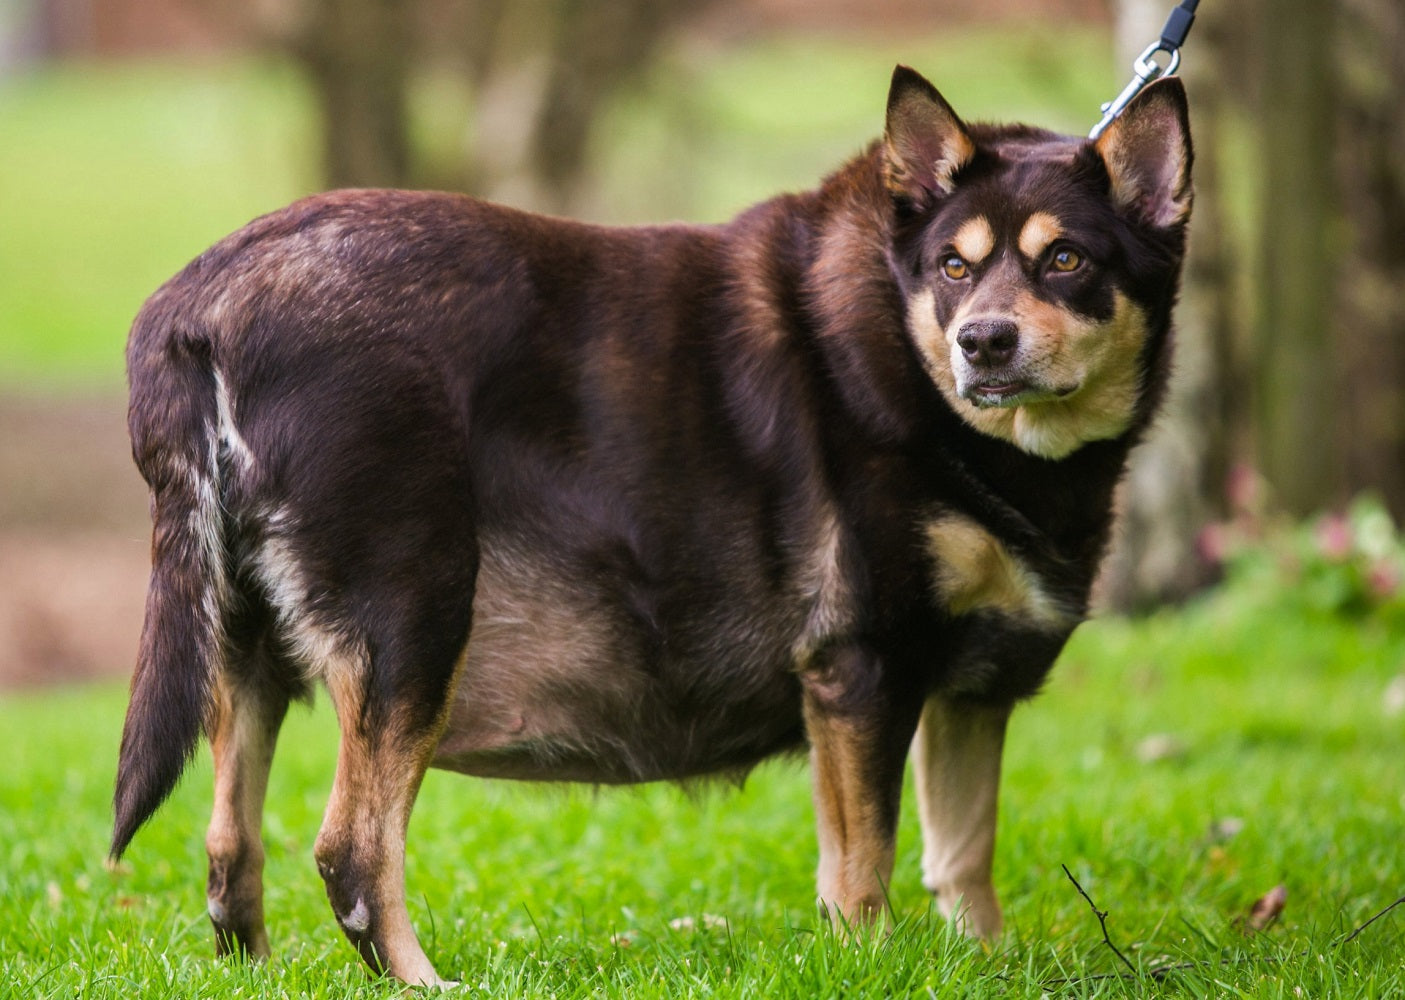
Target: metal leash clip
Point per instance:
(1146, 68)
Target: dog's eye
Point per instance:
(954, 267)
(1066, 260)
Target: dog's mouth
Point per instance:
(992, 393)
(998, 392)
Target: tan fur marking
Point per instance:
(533, 639)
(974, 240)
(856, 857)
(975, 572)
(378, 777)
(956, 770)
(242, 735)
(1039, 231)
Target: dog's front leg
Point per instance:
(956, 761)
(858, 733)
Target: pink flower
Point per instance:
(1245, 490)
(1214, 543)
(1383, 579)
(1334, 539)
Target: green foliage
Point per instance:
(1181, 766)
(1344, 564)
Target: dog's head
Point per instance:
(1039, 270)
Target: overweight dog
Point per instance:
(542, 500)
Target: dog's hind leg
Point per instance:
(386, 746)
(390, 682)
(244, 727)
(368, 560)
(956, 762)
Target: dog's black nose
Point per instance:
(989, 343)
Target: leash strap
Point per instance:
(1146, 67)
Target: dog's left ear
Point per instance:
(924, 144)
(1147, 153)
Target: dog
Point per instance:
(537, 499)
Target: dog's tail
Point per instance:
(174, 419)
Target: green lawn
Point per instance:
(1279, 762)
(113, 176)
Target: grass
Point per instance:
(1278, 762)
(113, 176)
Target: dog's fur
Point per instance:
(543, 500)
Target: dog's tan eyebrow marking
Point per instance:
(1039, 230)
(974, 240)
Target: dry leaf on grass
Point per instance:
(1224, 828)
(1266, 909)
(1160, 746)
(1393, 700)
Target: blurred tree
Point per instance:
(1299, 406)
(539, 72)
(1299, 297)
(1331, 238)
(1370, 313)
(543, 70)
(358, 56)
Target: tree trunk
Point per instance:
(358, 53)
(1371, 160)
(1297, 398)
(599, 47)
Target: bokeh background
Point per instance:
(134, 133)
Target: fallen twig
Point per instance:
(1368, 923)
(1160, 972)
(1102, 920)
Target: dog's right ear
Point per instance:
(925, 144)
(1147, 152)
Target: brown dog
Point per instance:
(536, 499)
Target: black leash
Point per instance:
(1146, 68)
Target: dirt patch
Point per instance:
(74, 541)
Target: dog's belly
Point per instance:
(558, 684)
(592, 720)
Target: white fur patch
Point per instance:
(323, 651)
(359, 919)
(227, 433)
(824, 586)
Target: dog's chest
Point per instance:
(973, 571)
(1005, 622)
